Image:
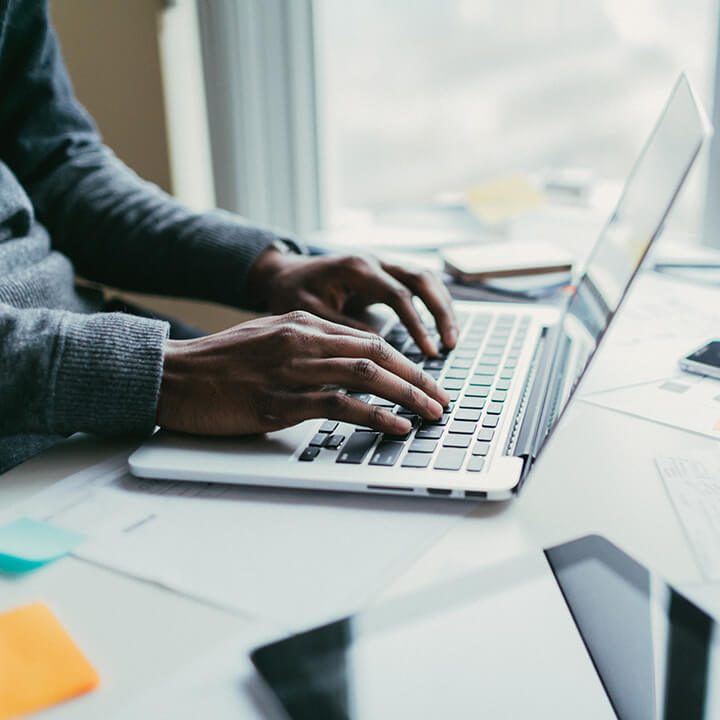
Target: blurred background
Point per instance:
(321, 115)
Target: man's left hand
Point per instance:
(338, 288)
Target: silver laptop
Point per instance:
(511, 375)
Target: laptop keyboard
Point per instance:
(478, 375)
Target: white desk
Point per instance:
(597, 476)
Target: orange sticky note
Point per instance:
(39, 663)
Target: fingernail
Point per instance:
(452, 336)
(435, 407)
(402, 424)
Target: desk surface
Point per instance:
(597, 476)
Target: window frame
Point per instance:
(261, 90)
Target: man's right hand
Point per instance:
(268, 374)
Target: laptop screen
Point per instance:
(653, 184)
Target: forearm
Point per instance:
(61, 372)
(124, 232)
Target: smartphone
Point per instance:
(704, 361)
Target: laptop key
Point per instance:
(462, 427)
(491, 358)
(333, 442)
(318, 440)
(395, 438)
(485, 434)
(387, 453)
(481, 448)
(440, 421)
(486, 369)
(469, 414)
(434, 364)
(328, 426)
(422, 446)
(449, 459)
(457, 441)
(382, 402)
(476, 463)
(490, 421)
(416, 460)
(309, 454)
(472, 403)
(503, 384)
(451, 384)
(476, 391)
(456, 373)
(482, 379)
(434, 432)
(405, 411)
(494, 408)
(357, 447)
(499, 396)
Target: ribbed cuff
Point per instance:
(106, 374)
(226, 249)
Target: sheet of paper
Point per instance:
(693, 484)
(221, 683)
(662, 320)
(40, 665)
(26, 544)
(686, 401)
(288, 556)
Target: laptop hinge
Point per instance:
(525, 445)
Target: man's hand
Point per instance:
(268, 374)
(336, 288)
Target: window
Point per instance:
(419, 97)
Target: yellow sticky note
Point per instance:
(39, 663)
(500, 200)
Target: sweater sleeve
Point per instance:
(116, 228)
(65, 372)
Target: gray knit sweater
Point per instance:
(68, 205)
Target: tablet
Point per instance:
(580, 630)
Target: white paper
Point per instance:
(662, 320)
(686, 401)
(287, 556)
(221, 683)
(693, 484)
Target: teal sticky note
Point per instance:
(26, 544)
